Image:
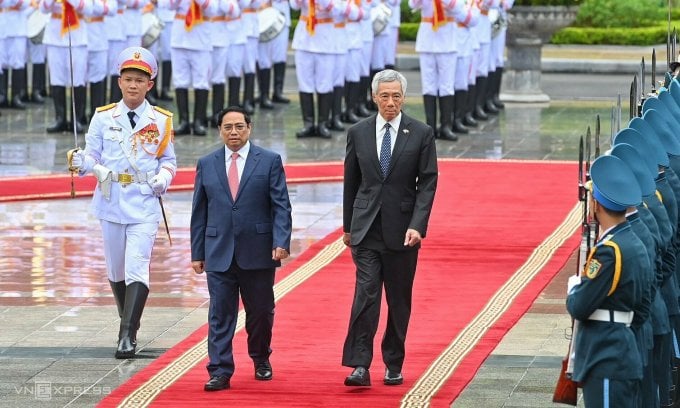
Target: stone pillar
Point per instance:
(522, 76)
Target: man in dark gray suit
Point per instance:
(389, 188)
(240, 232)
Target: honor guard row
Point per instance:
(625, 300)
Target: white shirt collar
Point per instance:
(242, 152)
(394, 123)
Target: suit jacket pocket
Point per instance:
(211, 231)
(407, 206)
(360, 203)
(263, 227)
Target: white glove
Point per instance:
(78, 159)
(573, 281)
(159, 183)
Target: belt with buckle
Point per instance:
(127, 178)
(614, 316)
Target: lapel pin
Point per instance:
(406, 132)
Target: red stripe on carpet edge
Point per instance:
(58, 186)
(118, 394)
(470, 365)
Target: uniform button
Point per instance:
(234, 208)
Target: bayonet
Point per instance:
(641, 89)
(653, 71)
(597, 136)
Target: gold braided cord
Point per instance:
(147, 392)
(439, 371)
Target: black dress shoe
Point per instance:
(359, 377)
(263, 371)
(217, 383)
(392, 378)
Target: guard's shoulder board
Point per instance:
(106, 107)
(163, 111)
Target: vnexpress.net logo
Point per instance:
(43, 391)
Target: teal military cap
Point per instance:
(614, 184)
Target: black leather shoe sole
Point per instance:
(393, 381)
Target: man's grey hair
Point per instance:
(388, 75)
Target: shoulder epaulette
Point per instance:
(163, 111)
(106, 107)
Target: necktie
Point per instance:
(386, 150)
(131, 115)
(232, 175)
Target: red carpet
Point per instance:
(59, 186)
(498, 234)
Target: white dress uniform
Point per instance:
(227, 10)
(15, 47)
(276, 51)
(132, 20)
(164, 51)
(124, 160)
(134, 164)
(384, 44)
(37, 56)
(315, 50)
(437, 47)
(465, 73)
(97, 51)
(351, 12)
(117, 38)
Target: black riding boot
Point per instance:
(430, 104)
(182, 95)
(116, 94)
(360, 103)
(18, 91)
(234, 89)
(279, 76)
(469, 119)
(4, 101)
(249, 93)
(97, 96)
(80, 120)
(166, 76)
(217, 103)
(324, 103)
(480, 92)
(497, 79)
(307, 107)
(136, 294)
(336, 108)
(38, 83)
(351, 95)
(118, 289)
(263, 80)
(200, 111)
(445, 116)
(459, 112)
(59, 98)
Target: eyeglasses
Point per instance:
(240, 127)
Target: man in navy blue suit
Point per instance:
(240, 231)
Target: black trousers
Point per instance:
(256, 288)
(375, 269)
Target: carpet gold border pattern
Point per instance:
(434, 378)
(147, 392)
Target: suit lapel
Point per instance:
(372, 143)
(251, 162)
(221, 170)
(402, 136)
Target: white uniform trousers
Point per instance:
(219, 65)
(497, 49)
(381, 46)
(391, 50)
(250, 56)
(127, 250)
(314, 71)
(134, 41)
(115, 48)
(366, 58)
(482, 60)
(16, 52)
(191, 68)
(164, 41)
(339, 69)
(353, 65)
(463, 72)
(235, 55)
(37, 53)
(280, 46)
(264, 54)
(437, 73)
(96, 65)
(60, 68)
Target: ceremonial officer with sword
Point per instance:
(129, 148)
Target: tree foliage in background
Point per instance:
(620, 13)
(548, 2)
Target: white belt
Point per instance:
(615, 316)
(127, 178)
